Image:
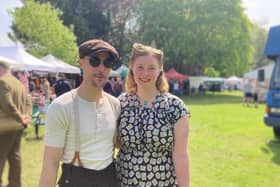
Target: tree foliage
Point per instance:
(89, 17)
(40, 28)
(107, 19)
(259, 36)
(199, 34)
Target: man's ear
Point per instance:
(81, 62)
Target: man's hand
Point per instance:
(26, 119)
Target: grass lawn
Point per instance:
(229, 145)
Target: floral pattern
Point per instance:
(147, 139)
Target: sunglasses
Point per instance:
(95, 61)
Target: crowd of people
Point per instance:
(140, 118)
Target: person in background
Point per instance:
(108, 87)
(256, 94)
(248, 92)
(15, 102)
(23, 78)
(117, 87)
(45, 89)
(61, 86)
(80, 125)
(153, 126)
(176, 88)
(32, 85)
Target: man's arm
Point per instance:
(7, 103)
(52, 156)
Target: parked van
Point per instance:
(272, 51)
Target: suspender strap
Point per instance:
(77, 125)
(77, 157)
(76, 128)
(116, 137)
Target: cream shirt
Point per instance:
(97, 127)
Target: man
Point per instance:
(14, 102)
(89, 112)
(45, 88)
(61, 86)
(248, 92)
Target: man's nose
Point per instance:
(101, 67)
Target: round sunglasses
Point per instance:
(95, 61)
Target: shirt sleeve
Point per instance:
(57, 125)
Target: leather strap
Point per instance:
(76, 128)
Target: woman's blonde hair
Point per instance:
(143, 50)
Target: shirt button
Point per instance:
(66, 181)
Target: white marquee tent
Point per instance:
(61, 67)
(13, 64)
(18, 54)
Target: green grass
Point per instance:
(229, 145)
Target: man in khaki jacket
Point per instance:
(14, 102)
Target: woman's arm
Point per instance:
(180, 152)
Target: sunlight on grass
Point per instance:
(229, 145)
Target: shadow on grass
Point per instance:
(33, 139)
(31, 136)
(212, 98)
(274, 146)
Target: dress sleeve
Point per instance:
(123, 98)
(179, 109)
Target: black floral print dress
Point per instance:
(147, 139)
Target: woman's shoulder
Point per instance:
(127, 99)
(127, 96)
(170, 98)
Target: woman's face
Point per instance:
(146, 70)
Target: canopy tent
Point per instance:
(234, 79)
(174, 75)
(13, 64)
(60, 66)
(234, 82)
(18, 54)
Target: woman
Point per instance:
(153, 126)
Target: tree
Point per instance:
(88, 17)
(199, 34)
(211, 72)
(259, 35)
(108, 19)
(122, 15)
(39, 27)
